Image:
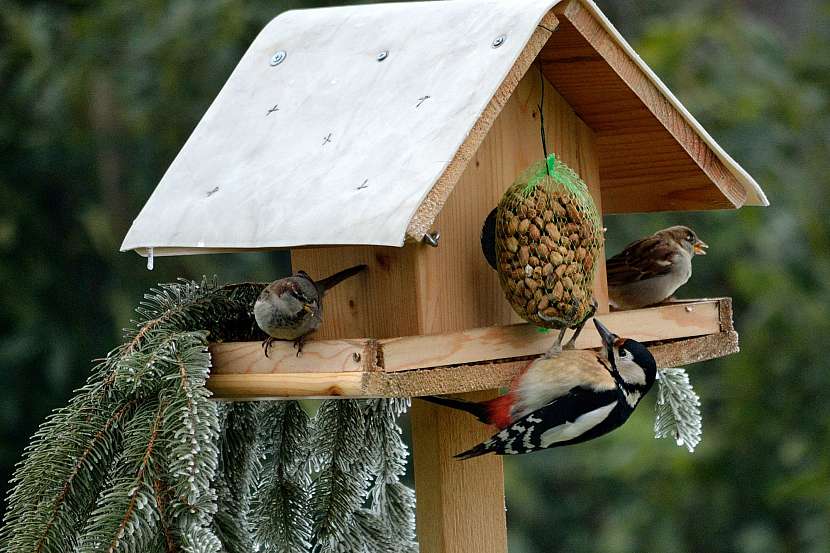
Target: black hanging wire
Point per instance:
(542, 117)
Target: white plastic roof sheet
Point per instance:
(333, 145)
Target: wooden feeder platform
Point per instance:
(678, 334)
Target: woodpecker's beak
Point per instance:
(700, 247)
(608, 338)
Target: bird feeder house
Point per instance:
(356, 134)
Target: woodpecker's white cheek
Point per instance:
(581, 425)
(631, 372)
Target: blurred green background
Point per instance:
(96, 99)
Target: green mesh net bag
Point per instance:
(548, 237)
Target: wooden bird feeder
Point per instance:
(358, 131)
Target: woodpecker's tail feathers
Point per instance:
(481, 449)
(478, 410)
(335, 279)
(494, 411)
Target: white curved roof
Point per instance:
(332, 146)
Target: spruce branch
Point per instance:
(239, 470)
(130, 491)
(162, 496)
(340, 456)
(141, 460)
(280, 511)
(391, 511)
(55, 485)
(678, 409)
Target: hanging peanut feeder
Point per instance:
(548, 237)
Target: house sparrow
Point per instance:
(291, 308)
(565, 397)
(651, 270)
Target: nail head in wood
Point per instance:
(383, 55)
(432, 238)
(498, 41)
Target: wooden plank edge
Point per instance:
(665, 322)
(431, 205)
(442, 380)
(285, 386)
(679, 319)
(669, 116)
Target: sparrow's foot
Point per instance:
(266, 345)
(299, 343)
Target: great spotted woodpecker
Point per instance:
(565, 397)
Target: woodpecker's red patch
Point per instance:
(498, 410)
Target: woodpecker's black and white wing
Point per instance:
(580, 415)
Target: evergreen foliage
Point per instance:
(239, 470)
(281, 511)
(141, 460)
(678, 409)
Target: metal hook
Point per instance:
(432, 238)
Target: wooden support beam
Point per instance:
(446, 490)
(454, 362)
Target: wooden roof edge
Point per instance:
(427, 212)
(423, 218)
(755, 196)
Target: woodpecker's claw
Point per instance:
(591, 312)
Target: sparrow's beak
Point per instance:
(307, 308)
(700, 247)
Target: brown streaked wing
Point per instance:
(640, 260)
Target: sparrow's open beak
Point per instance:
(700, 247)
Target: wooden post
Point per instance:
(424, 290)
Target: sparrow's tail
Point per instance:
(335, 279)
(488, 238)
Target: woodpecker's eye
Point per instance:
(623, 353)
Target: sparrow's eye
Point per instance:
(690, 237)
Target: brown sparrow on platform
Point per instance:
(650, 270)
(291, 308)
